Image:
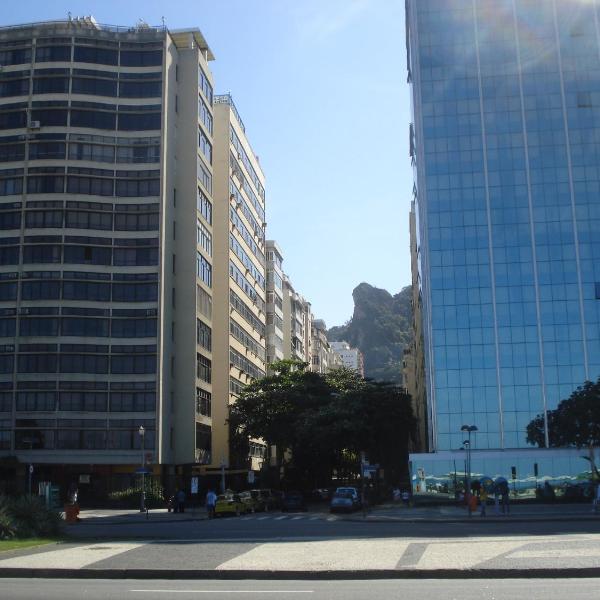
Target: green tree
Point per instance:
(575, 422)
(325, 421)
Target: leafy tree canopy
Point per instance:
(326, 420)
(574, 422)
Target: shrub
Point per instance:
(28, 516)
(130, 497)
(7, 527)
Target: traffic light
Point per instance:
(514, 472)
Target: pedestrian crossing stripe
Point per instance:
(292, 517)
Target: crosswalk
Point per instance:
(289, 517)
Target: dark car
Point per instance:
(293, 502)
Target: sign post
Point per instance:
(30, 470)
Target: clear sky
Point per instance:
(321, 88)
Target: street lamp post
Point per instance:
(142, 433)
(467, 443)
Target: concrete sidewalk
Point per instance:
(575, 555)
(459, 513)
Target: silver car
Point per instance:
(345, 500)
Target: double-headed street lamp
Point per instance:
(142, 433)
(467, 444)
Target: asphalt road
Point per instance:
(504, 589)
(260, 528)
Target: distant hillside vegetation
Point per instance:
(380, 328)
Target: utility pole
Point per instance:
(363, 462)
(142, 433)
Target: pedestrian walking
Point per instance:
(181, 501)
(483, 498)
(211, 502)
(496, 501)
(505, 502)
(597, 500)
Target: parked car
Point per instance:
(320, 494)
(344, 500)
(253, 500)
(230, 504)
(349, 490)
(271, 498)
(293, 501)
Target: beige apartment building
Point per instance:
(106, 205)
(324, 358)
(275, 324)
(297, 319)
(239, 284)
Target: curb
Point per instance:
(552, 573)
(472, 520)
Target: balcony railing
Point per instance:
(227, 99)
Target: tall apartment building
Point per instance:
(505, 148)
(352, 358)
(239, 281)
(296, 320)
(323, 357)
(106, 263)
(275, 324)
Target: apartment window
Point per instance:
(10, 152)
(45, 150)
(203, 402)
(53, 53)
(205, 146)
(10, 220)
(140, 89)
(204, 206)
(205, 116)
(93, 118)
(203, 175)
(204, 367)
(139, 364)
(204, 237)
(83, 401)
(142, 121)
(100, 56)
(205, 86)
(141, 58)
(18, 56)
(204, 270)
(95, 87)
(133, 328)
(204, 302)
(203, 335)
(135, 292)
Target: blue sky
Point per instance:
(321, 88)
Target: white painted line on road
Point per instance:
(332, 518)
(279, 518)
(262, 518)
(296, 518)
(223, 591)
(314, 518)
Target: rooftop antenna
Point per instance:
(163, 21)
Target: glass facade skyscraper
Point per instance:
(505, 145)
